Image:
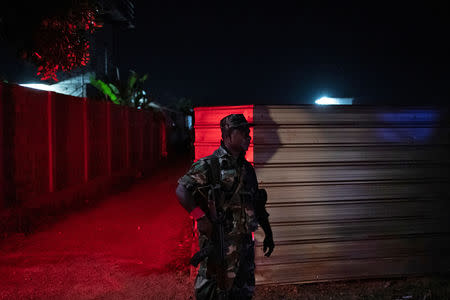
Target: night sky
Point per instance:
(227, 54)
(290, 54)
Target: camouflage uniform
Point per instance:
(239, 186)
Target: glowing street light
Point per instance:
(334, 101)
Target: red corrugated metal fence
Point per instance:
(51, 142)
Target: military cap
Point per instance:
(234, 121)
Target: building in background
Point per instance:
(117, 17)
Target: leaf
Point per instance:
(114, 88)
(143, 78)
(105, 89)
(132, 80)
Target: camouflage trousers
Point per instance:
(243, 285)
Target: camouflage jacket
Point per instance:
(241, 206)
(238, 183)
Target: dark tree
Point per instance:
(51, 34)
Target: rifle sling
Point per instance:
(215, 169)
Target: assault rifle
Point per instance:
(216, 246)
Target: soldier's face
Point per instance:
(240, 139)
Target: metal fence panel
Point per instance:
(354, 192)
(68, 141)
(97, 139)
(119, 140)
(31, 143)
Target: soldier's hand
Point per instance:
(205, 226)
(268, 245)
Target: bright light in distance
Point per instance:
(38, 86)
(326, 101)
(334, 101)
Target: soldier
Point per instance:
(221, 192)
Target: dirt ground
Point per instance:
(136, 245)
(128, 246)
(414, 288)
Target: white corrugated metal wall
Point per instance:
(354, 192)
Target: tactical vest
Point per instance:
(238, 200)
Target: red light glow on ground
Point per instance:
(120, 248)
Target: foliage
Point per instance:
(184, 105)
(54, 36)
(130, 92)
(109, 90)
(61, 43)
